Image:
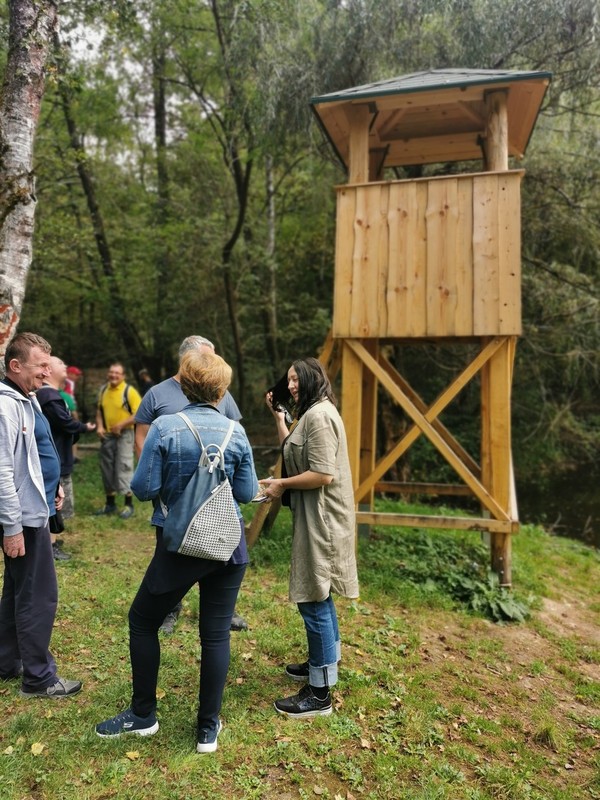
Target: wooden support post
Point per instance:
(368, 432)
(359, 119)
(496, 456)
(496, 137)
(352, 408)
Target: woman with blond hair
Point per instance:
(167, 462)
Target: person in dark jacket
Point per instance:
(65, 432)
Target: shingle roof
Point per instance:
(432, 116)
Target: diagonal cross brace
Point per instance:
(423, 423)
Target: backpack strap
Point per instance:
(221, 448)
(194, 430)
(126, 404)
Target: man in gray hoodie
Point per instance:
(29, 488)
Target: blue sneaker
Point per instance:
(207, 739)
(127, 722)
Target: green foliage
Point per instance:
(447, 564)
(237, 78)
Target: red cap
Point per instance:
(74, 371)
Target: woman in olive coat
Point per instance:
(317, 477)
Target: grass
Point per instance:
(434, 700)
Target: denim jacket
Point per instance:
(170, 456)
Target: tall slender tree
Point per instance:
(31, 25)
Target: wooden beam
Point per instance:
(352, 407)
(433, 489)
(368, 427)
(437, 423)
(430, 415)
(359, 120)
(423, 423)
(505, 527)
(496, 134)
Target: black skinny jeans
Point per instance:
(218, 594)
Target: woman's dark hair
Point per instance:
(313, 383)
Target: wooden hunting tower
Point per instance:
(431, 260)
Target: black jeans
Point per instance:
(218, 594)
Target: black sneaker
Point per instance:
(297, 672)
(304, 704)
(58, 553)
(127, 722)
(60, 688)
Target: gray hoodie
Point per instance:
(22, 493)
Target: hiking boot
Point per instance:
(60, 688)
(127, 722)
(207, 739)
(238, 623)
(304, 704)
(58, 553)
(127, 512)
(297, 672)
(105, 510)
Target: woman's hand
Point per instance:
(278, 413)
(279, 416)
(272, 488)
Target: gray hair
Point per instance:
(193, 343)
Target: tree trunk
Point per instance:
(126, 330)
(270, 310)
(31, 26)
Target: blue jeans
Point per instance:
(324, 645)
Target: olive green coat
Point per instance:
(323, 547)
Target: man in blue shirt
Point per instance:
(29, 487)
(167, 397)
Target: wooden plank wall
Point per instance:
(429, 258)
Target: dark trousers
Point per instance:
(218, 594)
(27, 611)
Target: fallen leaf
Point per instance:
(239, 681)
(318, 790)
(365, 744)
(160, 694)
(37, 748)
(132, 755)
(9, 750)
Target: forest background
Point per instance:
(183, 187)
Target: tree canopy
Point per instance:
(183, 186)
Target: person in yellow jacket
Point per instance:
(118, 403)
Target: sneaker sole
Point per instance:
(143, 732)
(209, 747)
(320, 712)
(50, 696)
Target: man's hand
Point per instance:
(60, 498)
(14, 546)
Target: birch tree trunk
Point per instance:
(31, 25)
